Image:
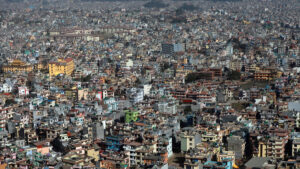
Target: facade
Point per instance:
(23, 91)
(6, 88)
(62, 66)
(17, 66)
(189, 140)
(225, 164)
(236, 144)
(273, 147)
(296, 146)
(167, 48)
(131, 115)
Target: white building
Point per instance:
(23, 91)
(5, 88)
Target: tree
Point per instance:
(139, 139)
(22, 133)
(191, 77)
(9, 102)
(234, 75)
(165, 66)
(243, 68)
(214, 158)
(187, 109)
(258, 116)
(293, 64)
(224, 141)
(86, 78)
(288, 149)
(57, 145)
(175, 145)
(248, 147)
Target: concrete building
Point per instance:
(236, 144)
(17, 66)
(62, 66)
(189, 139)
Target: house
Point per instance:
(23, 91)
(6, 88)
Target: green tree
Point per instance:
(234, 75)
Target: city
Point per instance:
(199, 84)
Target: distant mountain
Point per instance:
(14, 0)
(156, 4)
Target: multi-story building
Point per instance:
(273, 147)
(266, 74)
(17, 66)
(131, 116)
(194, 158)
(62, 66)
(189, 139)
(296, 144)
(236, 144)
(209, 137)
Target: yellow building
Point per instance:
(62, 66)
(17, 66)
(41, 66)
(93, 153)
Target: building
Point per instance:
(266, 74)
(296, 145)
(236, 144)
(209, 137)
(98, 131)
(189, 139)
(194, 158)
(226, 164)
(17, 66)
(273, 147)
(131, 116)
(114, 143)
(23, 91)
(258, 162)
(62, 66)
(167, 107)
(167, 48)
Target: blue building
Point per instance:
(225, 164)
(114, 143)
(112, 104)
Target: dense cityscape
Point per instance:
(121, 84)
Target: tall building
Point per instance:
(236, 144)
(167, 48)
(62, 66)
(98, 131)
(229, 49)
(170, 48)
